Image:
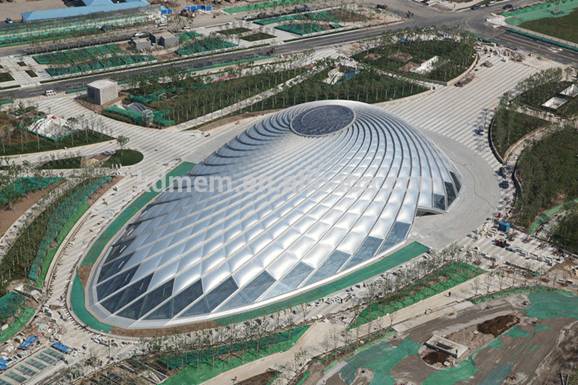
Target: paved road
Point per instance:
(423, 16)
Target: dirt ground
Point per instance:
(260, 379)
(7, 217)
(524, 353)
(15, 8)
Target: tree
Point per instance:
(122, 141)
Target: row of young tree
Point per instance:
(16, 138)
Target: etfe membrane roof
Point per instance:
(298, 200)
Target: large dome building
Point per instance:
(301, 198)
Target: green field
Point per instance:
(556, 18)
(33, 250)
(204, 44)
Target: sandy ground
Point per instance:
(14, 9)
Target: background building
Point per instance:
(102, 91)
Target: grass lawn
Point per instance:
(565, 27)
(548, 173)
(124, 158)
(509, 126)
(434, 283)
(200, 366)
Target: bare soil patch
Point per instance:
(8, 217)
(436, 357)
(260, 379)
(498, 325)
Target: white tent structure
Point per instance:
(51, 126)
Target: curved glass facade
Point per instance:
(299, 199)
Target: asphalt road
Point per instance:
(424, 16)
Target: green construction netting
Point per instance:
(21, 33)
(306, 28)
(315, 16)
(206, 364)
(100, 64)
(10, 304)
(541, 11)
(204, 45)
(24, 185)
(264, 5)
(380, 357)
(78, 55)
(159, 117)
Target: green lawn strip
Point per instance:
(434, 283)
(508, 292)
(397, 258)
(79, 308)
(200, 366)
(17, 324)
(263, 5)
